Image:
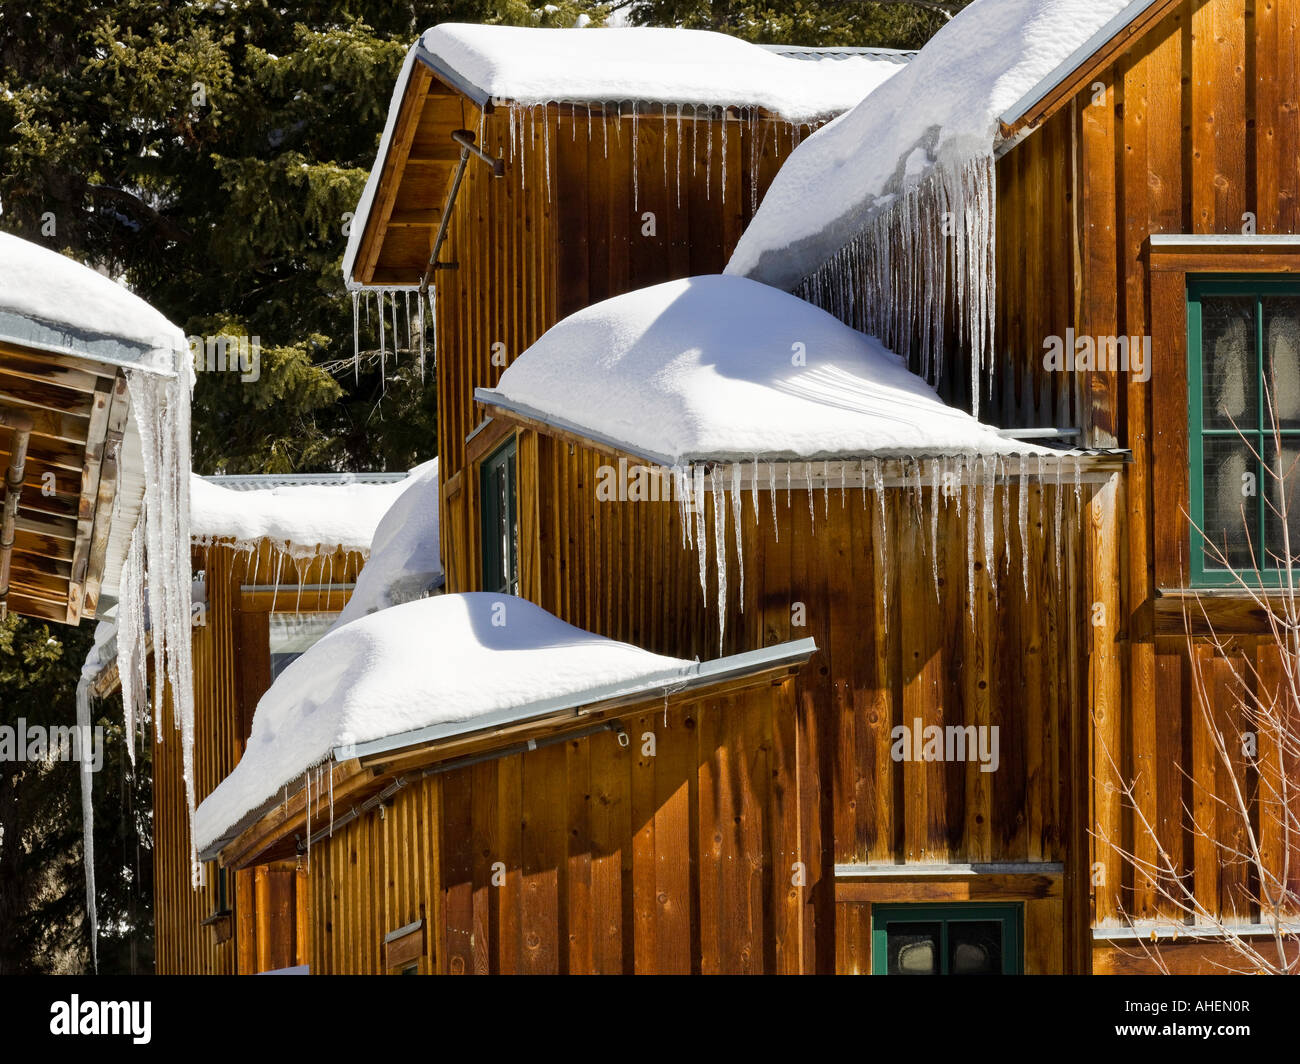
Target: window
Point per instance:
(946, 939)
(500, 523)
(1243, 353)
(293, 634)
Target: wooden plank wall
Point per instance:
(1194, 129)
(375, 875)
(224, 692)
(593, 857)
(534, 247)
(621, 569)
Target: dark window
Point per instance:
(946, 939)
(500, 521)
(1243, 351)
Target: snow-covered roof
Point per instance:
(405, 560)
(303, 518)
(654, 65)
(53, 303)
(459, 661)
(940, 110)
(529, 66)
(726, 368)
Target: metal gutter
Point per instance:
(1074, 61)
(266, 481)
(700, 674)
(1224, 240)
(492, 397)
(21, 425)
(950, 871)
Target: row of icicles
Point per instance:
(968, 482)
(386, 313)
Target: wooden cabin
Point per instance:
(1147, 187)
(276, 560)
(1065, 597)
(74, 474)
(622, 180)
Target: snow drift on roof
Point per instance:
(727, 368)
(306, 519)
(405, 560)
(525, 65)
(943, 107)
(442, 660)
(53, 303)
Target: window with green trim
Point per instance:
(1243, 352)
(967, 939)
(500, 531)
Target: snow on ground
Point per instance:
(50, 301)
(405, 560)
(303, 517)
(446, 659)
(943, 107)
(726, 368)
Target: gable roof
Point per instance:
(1054, 90)
(492, 66)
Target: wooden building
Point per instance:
(1066, 598)
(74, 474)
(1146, 188)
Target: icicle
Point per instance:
(546, 147)
(683, 509)
(679, 156)
(771, 498)
(1056, 543)
(88, 813)
(970, 532)
(701, 544)
(990, 518)
(812, 511)
(737, 511)
(720, 549)
(910, 240)
(636, 177)
(722, 179)
(826, 489)
(878, 485)
(843, 485)
(356, 339)
(753, 488)
(392, 309)
(708, 156)
(419, 311)
(934, 525)
(382, 363)
(1023, 507)
(664, 149)
(161, 407)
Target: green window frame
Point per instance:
(1256, 428)
(1010, 917)
(499, 520)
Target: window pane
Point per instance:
(1282, 354)
(1283, 498)
(975, 947)
(913, 949)
(293, 634)
(1231, 489)
(1229, 362)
